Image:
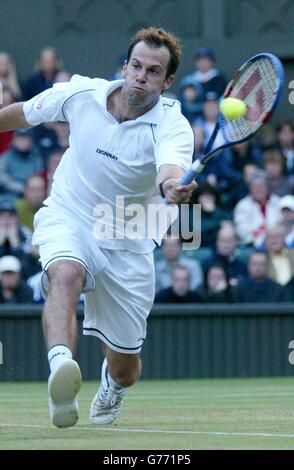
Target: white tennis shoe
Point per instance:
(63, 386)
(107, 402)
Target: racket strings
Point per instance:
(257, 86)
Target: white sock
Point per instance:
(58, 354)
(108, 379)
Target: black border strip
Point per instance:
(116, 345)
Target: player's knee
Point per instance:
(67, 275)
(127, 376)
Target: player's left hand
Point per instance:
(177, 193)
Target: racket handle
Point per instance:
(191, 174)
(188, 177)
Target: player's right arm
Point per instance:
(12, 117)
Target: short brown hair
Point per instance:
(273, 156)
(157, 37)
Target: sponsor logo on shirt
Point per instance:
(106, 154)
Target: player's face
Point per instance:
(145, 75)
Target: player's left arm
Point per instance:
(168, 184)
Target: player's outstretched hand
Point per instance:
(177, 193)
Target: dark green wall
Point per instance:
(90, 34)
(187, 342)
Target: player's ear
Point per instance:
(124, 69)
(168, 82)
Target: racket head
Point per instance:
(259, 83)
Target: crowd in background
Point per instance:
(247, 199)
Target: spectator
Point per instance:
(216, 287)
(17, 164)
(31, 202)
(6, 137)
(287, 209)
(179, 291)
(241, 189)
(12, 289)
(258, 287)
(199, 139)
(117, 75)
(212, 216)
(222, 175)
(49, 65)
(245, 153)
(274, 165)
(281, 259)
(286, 144)
(8, 75)
(225, 255)
(15, 239)
(172, 251)
(206, 73)
(191, 97)
(257, 211)
(62, 76)
(53, 162)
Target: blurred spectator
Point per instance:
(258, 287)
(17, 164)
(206, 73)
(30, 203)
(287, 209)
(209, 118)
(225, 254)
(117, 75)
(241, 189)
(53, 162)
(274, 168)
(179, 291)
(16, 240)
(6, 137)
(62, 131)
(191, 97)
(286, 144)
(45, 139)
(62, 76)
(243, 154)
(266, 138)
(48, 66)
(216, 286)
(172, 251)
(199, 139)
(12, 289)
(8, 75)
(257, 211)
(223, 175)
(212, 216)
(281, 259)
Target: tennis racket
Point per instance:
(259, 83)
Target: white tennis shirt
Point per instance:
(107, 159)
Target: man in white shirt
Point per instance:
(127, 145)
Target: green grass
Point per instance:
(186, 414)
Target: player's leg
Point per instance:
(66, 279)
(118, 372)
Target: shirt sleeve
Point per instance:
(50, 105)
(175, 140)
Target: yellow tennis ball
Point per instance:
(232, 108)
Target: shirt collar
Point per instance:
(153, 116)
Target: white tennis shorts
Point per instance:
(119, 286)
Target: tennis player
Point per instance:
(128, 143)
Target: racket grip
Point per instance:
(188, 177)
(191, 174)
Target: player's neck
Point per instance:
(119, 108)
